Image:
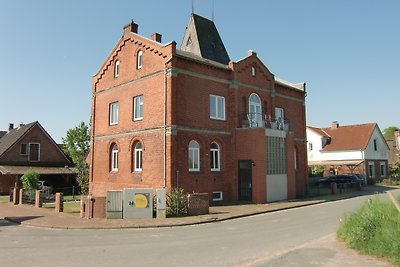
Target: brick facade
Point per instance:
(176, 89)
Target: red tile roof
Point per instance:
(349, 137)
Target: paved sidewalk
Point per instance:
(48, 218)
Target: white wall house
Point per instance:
(349, 149)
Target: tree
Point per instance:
(77, 147)
(389, 132)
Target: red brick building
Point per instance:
(193, 118)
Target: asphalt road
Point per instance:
(297, 237)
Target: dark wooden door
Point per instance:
(245, 186)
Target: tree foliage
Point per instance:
(77, 147)
(389, 132)
(30, 181)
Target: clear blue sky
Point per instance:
(348, 52)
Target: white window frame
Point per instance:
(29, 152)
(383, 170)
(215, 157)
(113, 113)
(220, 198)
(138, 152)
(116, 69)
(139, 62)
(253, 71)
(371, 171)
(114, 157)
(255, 111)
(193, 154)
(215, 102)
(138, 108)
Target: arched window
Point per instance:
(137, 152)
(194, 156)
(139, 59)
(215, 157)
(114, 157)
(116, 69)
(255, 111)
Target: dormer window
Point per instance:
(116, 69)
(139, 59)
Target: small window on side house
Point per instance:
(375, 145)
(23, 149)
(34, 152)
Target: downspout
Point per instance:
(165, 123)
(93, 124)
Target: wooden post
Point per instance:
(15, 196)
(394, 200)
(38, 200)
(59, 202)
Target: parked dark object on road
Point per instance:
(340, 179)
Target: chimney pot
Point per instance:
(10, 126)
(335, 125)
(156, 37)
(131, 27)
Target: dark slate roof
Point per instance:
(202, 38)
(13, 136)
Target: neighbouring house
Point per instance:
(190, 117)
(340, 149)
(29, 147)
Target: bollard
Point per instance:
(15, 196)
(38, 200)
(21, 196)
(59, 202)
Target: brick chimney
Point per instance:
(335, 125)
(156, 37)
(10, 126)
(131, 27)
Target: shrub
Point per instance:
(374, 229)
(30, 181)
(177, 202)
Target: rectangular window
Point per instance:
(217, 196)
(371, 169)
(280, 118)
(383, 169)
(375, 145)
(23, 149)
(276, 155)
(138, 108)
(217, 107)
(34, 152)
(310, 147)
(138, 160)
(113, 113)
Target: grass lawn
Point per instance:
(374, 229)
(4, 199)
(69, 207)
